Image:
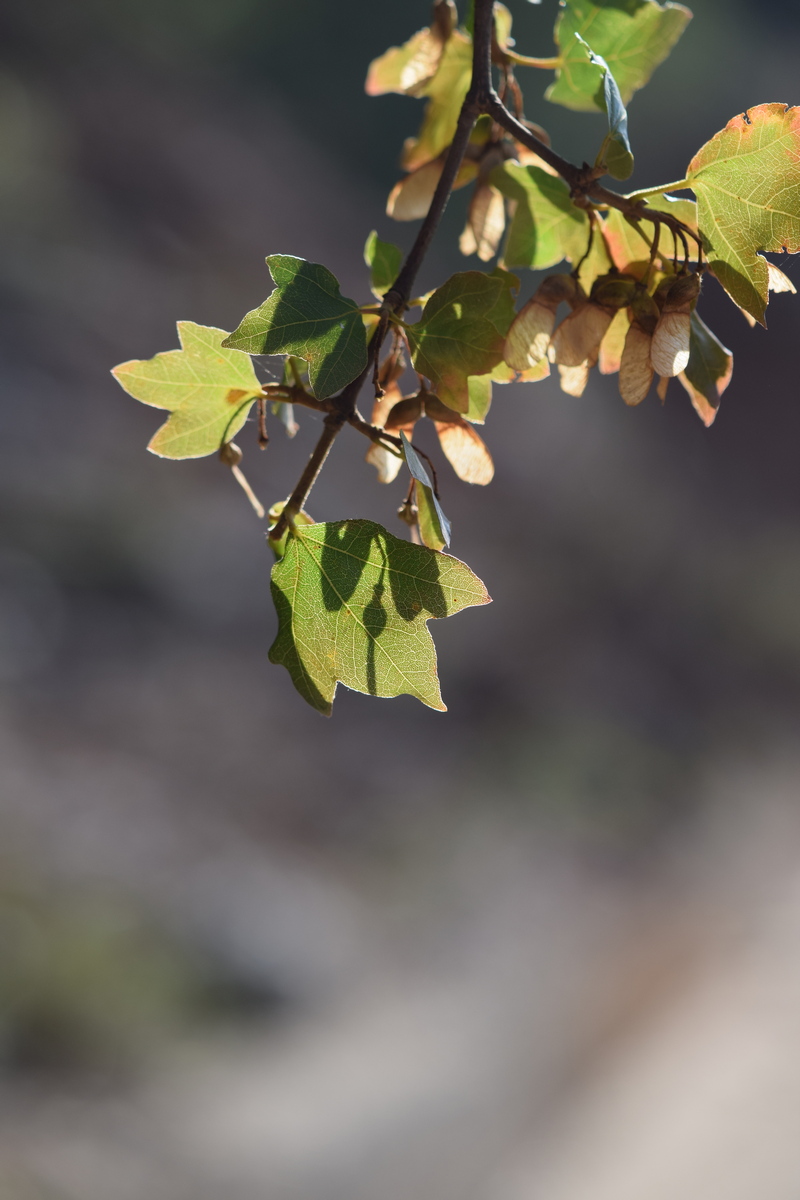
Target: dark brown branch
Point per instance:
(474, 104)
(583, 181)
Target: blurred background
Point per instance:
(545, 945)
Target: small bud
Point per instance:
(230, 454)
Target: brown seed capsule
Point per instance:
(635, 369)
(579, 335)
(486, 221)
(669, 352)
(573, 380)
(529, 336)
(464, 449)
(613, 343)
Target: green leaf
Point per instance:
(208, 390)
(457, 334)
(747, 182)
(353, 603)
(708, 371)
(309, 317)
(384, 260)
(434, 526)
(546, 226)
(616, 151)
(445, 92)
(479, 390)
(633, 36)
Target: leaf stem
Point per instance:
(658, 191)
(523, 60)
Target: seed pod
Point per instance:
(486, 221)
(410, 199)
(403, 415)
(635, 368)
(669, 352)
(579, 335)
(613, 343)
(645, 311)
(463, 447)
(530, 332)
(613, 291)
(778, 280)
(573, 380)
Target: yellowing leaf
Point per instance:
(208, 391)
(633, 36)
(546, 226)
(307, 316)
(747, 182)
(708, 371)
(445, 92)
(353, 603)
(635, 370)
(408, 68)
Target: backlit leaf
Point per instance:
(708, 371)
(462, 445)
(546, 227)
(633, 36)
(445, 92)
(747, 182)
(384, 260)
(407, 68)
(307, 316)
(208, 391)
(458, 336)
(353, 603)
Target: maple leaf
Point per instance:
(546, 226)
(307, 316)
(633, 36)
(747, 183)
(353, 603)
(207, 390)
(461, 333)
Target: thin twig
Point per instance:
(331, 428)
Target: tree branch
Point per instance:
(333, 423)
